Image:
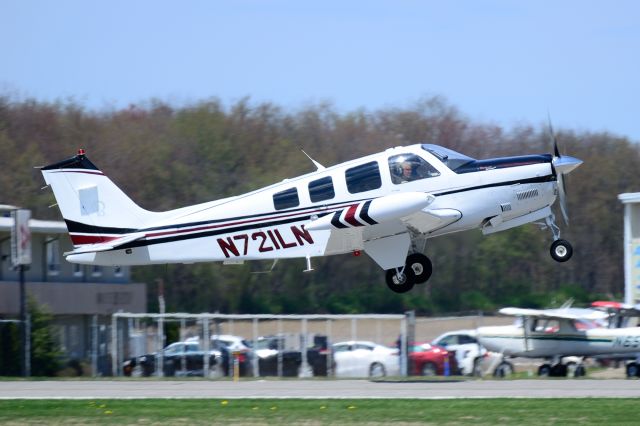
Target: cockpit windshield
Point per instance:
(449, 157)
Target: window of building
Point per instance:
(364, 177)
(78, 270)
(286, 199)
(409, 167)
(117, 272)
(53, 256)
(96, 271)
(321, 189)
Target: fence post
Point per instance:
(305, 364)
(160, 346)
(115, 371)
(254, 359)
(205, 347)
(94, 346)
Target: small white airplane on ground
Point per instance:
(386, 204)
(556, 333)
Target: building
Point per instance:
(631, 203)
(81, 298)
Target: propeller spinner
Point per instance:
(562, 164)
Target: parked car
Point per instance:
(473, 359)
(233, 348)
(365, 359)
(179, 358)
(426, 359)
(271, 351)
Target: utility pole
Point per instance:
(21, 259)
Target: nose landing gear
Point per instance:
(560, 250)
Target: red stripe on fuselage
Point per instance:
(350, 218)
(78, 240)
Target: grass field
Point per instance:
(317, 412)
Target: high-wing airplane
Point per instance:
(556, 333)
(386, 204)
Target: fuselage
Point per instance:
(562, 338)
(268, 223)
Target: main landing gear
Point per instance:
(417, 270)
(560, 250)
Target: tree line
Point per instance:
(165, 156)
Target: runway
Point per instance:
(319, 389)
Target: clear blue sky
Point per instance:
(498, 61)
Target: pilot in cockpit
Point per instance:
(407, 172)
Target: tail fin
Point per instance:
(94, 208)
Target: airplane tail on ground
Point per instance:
(94, 208)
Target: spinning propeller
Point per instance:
(562, 164)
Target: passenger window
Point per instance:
(365, 177)
(321, 189)
(286, 199)
(409, 167)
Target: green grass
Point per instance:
(618, 411)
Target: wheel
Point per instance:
(421, 266)
(544, 370)
(377, 370)
(580, 371)
(561, 250)
(504, 369)
(400, 282)
(429, 369)
(559, 370)
(632, 370)
(477, 367)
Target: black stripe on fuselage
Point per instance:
(540, 179)
(258, 225)
(364, 214)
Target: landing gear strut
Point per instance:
(560, 250)
(417, 270)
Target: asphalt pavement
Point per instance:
(118, 389)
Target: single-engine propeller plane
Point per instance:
(557, 333)
(386, 204)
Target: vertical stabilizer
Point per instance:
(93, 207)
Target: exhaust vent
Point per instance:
(525, 195)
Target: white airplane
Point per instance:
(387, 205)
(556, 333)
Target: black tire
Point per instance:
(504, 369)
(544, 370)
(477, 368)
(429, 369)
(633, 370)
(559, 370)
(377, 370)
(421, 266)
(402, 283)
(561, 250)
(580, 371)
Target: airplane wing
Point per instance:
(109, 245)
(381, 226)
(622, 309)
(565, 313)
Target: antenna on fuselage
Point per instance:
(315, 163)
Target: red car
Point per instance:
(426, 359)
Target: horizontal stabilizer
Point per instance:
(109, 245)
